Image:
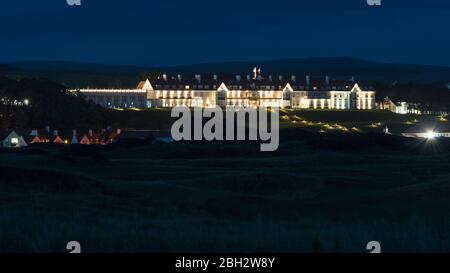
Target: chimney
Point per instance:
(327, 80)
(90, 132)
(198, 77)
(280, 77)
(119, 131)
(353, 79)
(308, 81)
(47, 128)
(179, 77)
(255, 72)
(238, 78)
(215, 77)
(293, 78)
(74, 137)
(165, 77)
(55, 133)
(270, 78)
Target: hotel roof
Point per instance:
(249, 82)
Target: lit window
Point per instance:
(14, 141)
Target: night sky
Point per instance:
(170, 32)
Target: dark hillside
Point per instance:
(31, 103)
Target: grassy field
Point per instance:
(315, 194)
(361, 121)
(310, 120)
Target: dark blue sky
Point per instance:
(168, 32)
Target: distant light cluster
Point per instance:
(14, 102)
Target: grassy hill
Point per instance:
(48, 103)
(309, 120)
(103, 75)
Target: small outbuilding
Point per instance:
(11, 139)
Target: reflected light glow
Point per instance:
(430, 135)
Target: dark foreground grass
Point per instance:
(309, 196)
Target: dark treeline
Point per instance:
(32, 103)
(428, 97)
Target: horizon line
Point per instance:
(214, 62)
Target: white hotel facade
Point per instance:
(244, 91)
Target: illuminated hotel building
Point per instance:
(246, 91)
